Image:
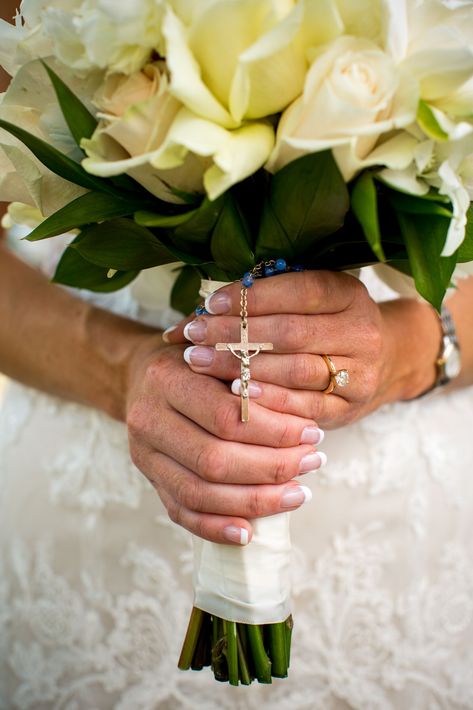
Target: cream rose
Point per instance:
(136, 113)
(353, 94)
(145, 132)
(243, 59)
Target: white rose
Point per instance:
(145, 132)
(243, 59)
(353, 94)
(235, 154)
(117, 36)
(439, 55)
(136, 113)
(84, 34)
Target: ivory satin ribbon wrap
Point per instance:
(249, 584)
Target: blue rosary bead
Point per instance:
(247, 280)
(281, 265)
(200, 311)
(268, 271)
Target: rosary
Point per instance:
(245, 350)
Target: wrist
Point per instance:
(413, 334)
(118, 344)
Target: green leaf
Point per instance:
(73, 270)
(231, 241)
(465, 251)
(151, 219)
(56, 161)
(80, 121)
(307, 200)
(272, 240)
(428, 122)
(189, 198)
(364, 203)
(185, 293)
(86, 209)
(123, 245)
(424, 237)
(414, 204)
(198, 229)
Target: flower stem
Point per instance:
(237, 652)
(278, 649)
(245, 676)
(289, 624)
(229, 628)
(192, 637)
(202, 654)
(219, 664)
(260, 659)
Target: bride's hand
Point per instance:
(389, 350)
(211, 471)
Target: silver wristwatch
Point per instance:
(448, 362)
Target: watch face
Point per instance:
(452, 361)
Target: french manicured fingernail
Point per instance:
(167, 332)
(218, 303)
(253, 388)
(196, 331)
(312, 435)
(198, 356)
(312, 461)
(234, 534)
(295, 495)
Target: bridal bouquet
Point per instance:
(216, 134)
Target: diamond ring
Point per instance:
(337, 377)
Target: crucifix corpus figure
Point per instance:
(244, 351)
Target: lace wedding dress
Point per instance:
(95, 581)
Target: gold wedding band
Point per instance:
(337, 377)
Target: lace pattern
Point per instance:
(95, 581)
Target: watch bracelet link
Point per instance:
(449, 336)
(448, 345)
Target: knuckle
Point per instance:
(316, 406)
(283, 401)
(187, 492)
(175, 512)
(371, 382)
(161, 373)
(282, 471)
(283, 435)
(350, 415)
(374, 339)
(225, 420)
(293, 332)
(302, 372)
(199, 528)
(136, 420)
(209, 463)
(255, 504)
(191, 496)
(224, 332)
(305, 286)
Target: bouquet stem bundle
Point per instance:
(237, 653)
